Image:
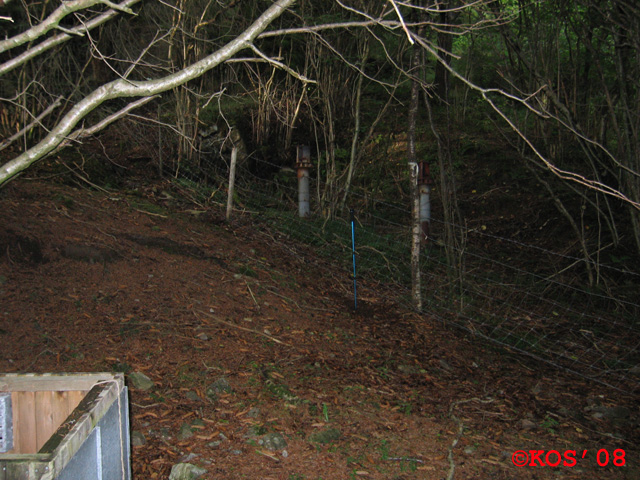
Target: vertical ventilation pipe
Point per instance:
(424, 186)
(303, 165)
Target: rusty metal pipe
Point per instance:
(303, 192)
(303, 165)
(424, 187)
(425, 211)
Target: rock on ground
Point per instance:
(186, 471)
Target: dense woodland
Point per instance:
(373, 87)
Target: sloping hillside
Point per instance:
(247, 334)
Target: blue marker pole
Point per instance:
(353, 250)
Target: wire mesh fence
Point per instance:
(504, 291)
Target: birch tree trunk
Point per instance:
(416, 290)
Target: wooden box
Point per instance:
(65, 427)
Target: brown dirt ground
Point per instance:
(98, 281)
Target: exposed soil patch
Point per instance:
(91, 281)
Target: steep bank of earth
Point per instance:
(260, 367)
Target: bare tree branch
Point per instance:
(37, 121)
(53, 21)
(404, 26)
(125, 88)
(281, 65)
(56, 40)
(560, 173)
(87, 132)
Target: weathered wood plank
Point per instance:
(43, 418)
(52, 408)
(24, 427)
(14, 471)
(60, 410)
(11, 382)
(75, 397)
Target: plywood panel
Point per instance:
(61, 410)
(24, 422)
(75, 397)
(52, 408)
(37, 415)
(44, 416)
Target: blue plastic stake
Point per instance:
(353, 250)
